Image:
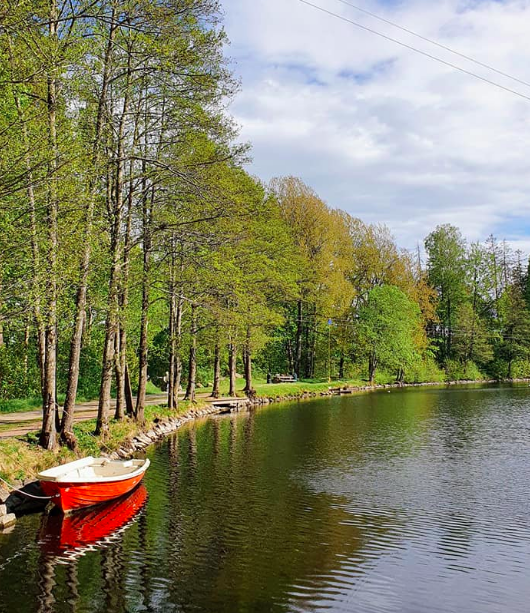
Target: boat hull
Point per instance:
(72, 496)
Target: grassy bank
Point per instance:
(22, 459)
(277, 390)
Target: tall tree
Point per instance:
(446, 267)
(386, 330)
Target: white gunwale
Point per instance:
(92, 470)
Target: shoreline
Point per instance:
(14, 504)
(163, 429)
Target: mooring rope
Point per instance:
(11, 487)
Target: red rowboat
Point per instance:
(91, 481)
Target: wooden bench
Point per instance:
(284, 379)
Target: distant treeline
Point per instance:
(133, 244)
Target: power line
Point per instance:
(424, 53)
(433, 42)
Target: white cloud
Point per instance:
(384, 133)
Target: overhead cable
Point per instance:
(433, 42)
(411, 48)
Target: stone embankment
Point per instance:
(164, 428)
(7, 520)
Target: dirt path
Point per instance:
(19, 424)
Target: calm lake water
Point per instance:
(409, 501)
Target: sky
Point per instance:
(384, 133)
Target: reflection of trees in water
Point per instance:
(146, 583)
(263, 535)
(46, 583)
(216, 437)
(113, 572)
(233, 435)
(231, 525)
(192, 440)
(72, 582)
(50, 580)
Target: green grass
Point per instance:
(20, 404)
(277, 390)
(151, 388)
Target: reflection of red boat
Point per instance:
(66, 534)
(91, 481)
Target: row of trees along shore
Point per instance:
(134, 244)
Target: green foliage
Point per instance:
(471, 340)
(520, 369)
(446, 250)
(424, 370)
(458, 371)
(387, 325)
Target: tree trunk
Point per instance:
(35, 282)
(123, 301)
(171, 399)
(307, 352)
(129, 404)
(249, 391)
(119, 375)
(175, 330)
(143, 350)
(111, 324)
(49, 404)
(192, 364)
(372, 367)
(313, 352)
(102, 424)
(81, 297)
(232, 354)
(148, 196)
(216, 393)
(290, 359)
(26, 352)
(298, 348)
(175, 361)
(341, 365)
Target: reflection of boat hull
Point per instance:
(65, 534)
(89, 482)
